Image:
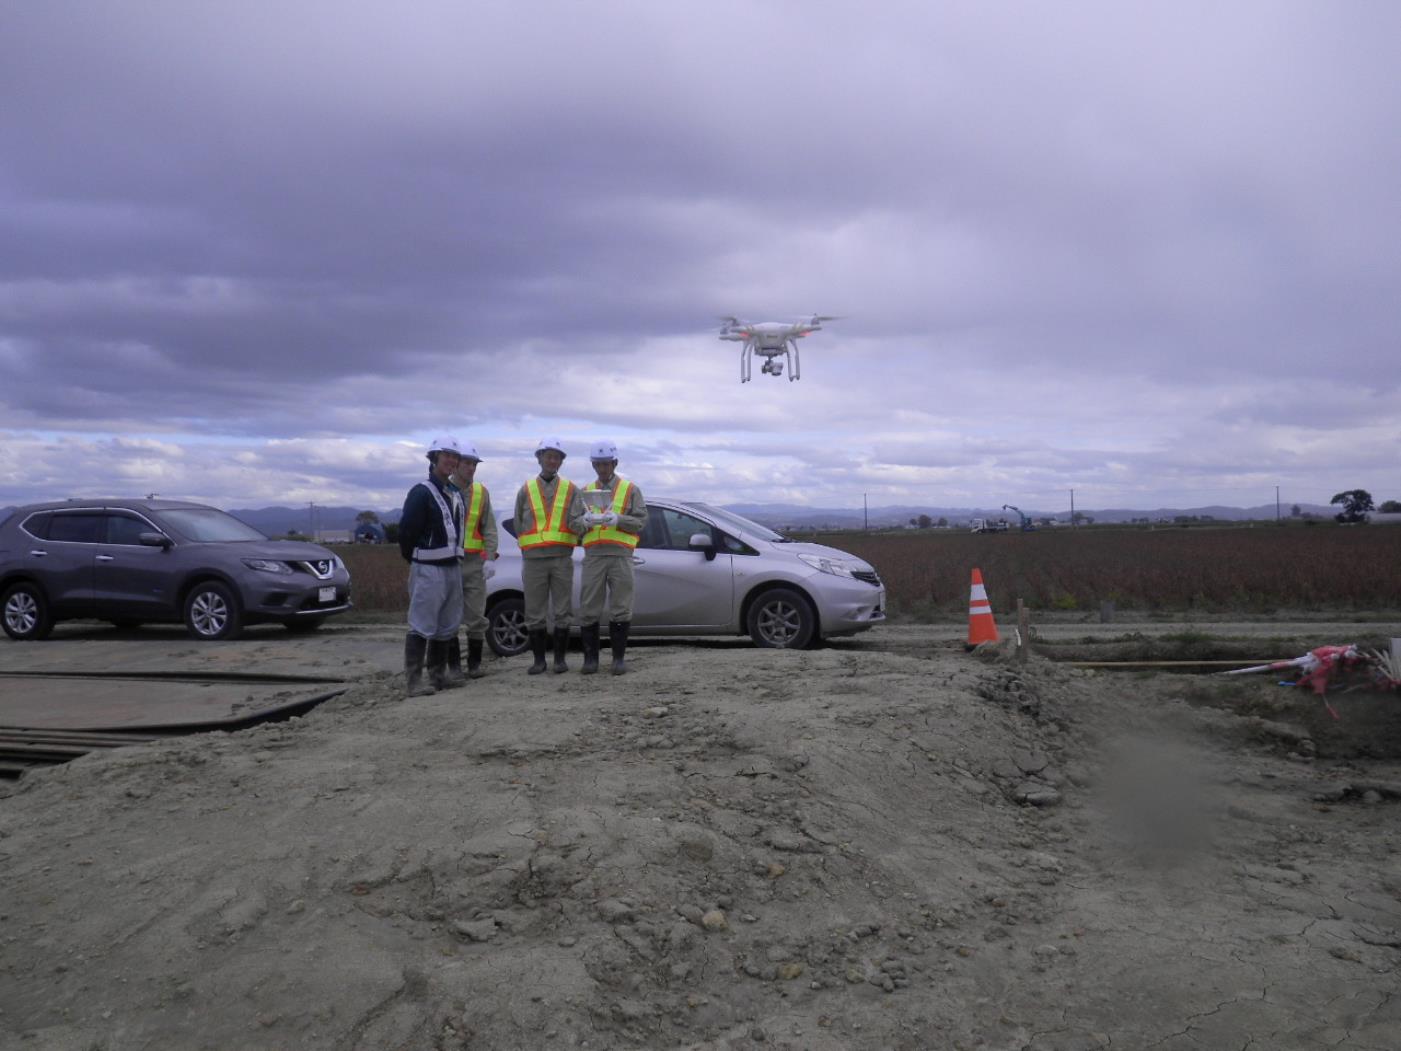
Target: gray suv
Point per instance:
(133, 561)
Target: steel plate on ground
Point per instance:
(56, 702)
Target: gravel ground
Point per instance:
(884, 843)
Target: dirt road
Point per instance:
(885, 843)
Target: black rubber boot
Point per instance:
(452, 674)
(415, 647)
(437, 662)
(618, 638)
(561, 648)
(588, 634)
(474, 659)
(537, 647)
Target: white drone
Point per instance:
(769, 339)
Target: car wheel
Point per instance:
(211, 612)
(781, 619)
(505, 631)
(303, 625)
(26, 612)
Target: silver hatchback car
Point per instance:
(701, 570)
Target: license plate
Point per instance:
(327, 595)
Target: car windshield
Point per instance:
(205, 525)
(740, 524)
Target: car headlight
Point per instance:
(267, 565)
(336, 563)
(835, 566)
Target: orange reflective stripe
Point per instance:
(608, 534)
(472, 528)
(549, 529)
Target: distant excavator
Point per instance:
(1028, 526)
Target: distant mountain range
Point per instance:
(900, 515)
(276, 521)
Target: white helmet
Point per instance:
(557, 444)
(603, 451)
(468, 451)
(444, 444)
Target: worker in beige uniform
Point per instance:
(479, 542)
(545, 506)
(610, 537)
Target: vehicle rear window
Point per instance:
(77, 528)
(38, 525)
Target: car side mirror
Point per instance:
(155, 540)
(701, 542)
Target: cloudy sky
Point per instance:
(260, 252)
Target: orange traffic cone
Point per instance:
(981, 626)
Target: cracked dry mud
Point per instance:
(727, 848)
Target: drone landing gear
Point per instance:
(771, 366)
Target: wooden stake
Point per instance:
(1023, 640)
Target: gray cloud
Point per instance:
(1066, 239)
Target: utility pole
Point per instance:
(1277, 518)
(1072, 509)
(865, 515)
(311, 519)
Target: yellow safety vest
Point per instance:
(472, 528)
(549, 530)
(607, 534)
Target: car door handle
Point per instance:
(38, 554)
(638, 561)
(105, 558)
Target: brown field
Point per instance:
(1244, 570)
(1254, 570)
(378, 576)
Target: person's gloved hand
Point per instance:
(610, 518)
(592, 518)
(488, 571)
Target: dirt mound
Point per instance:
(727, 848)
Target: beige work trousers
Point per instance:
(473, 597)
(549, 584)
(610, 572)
